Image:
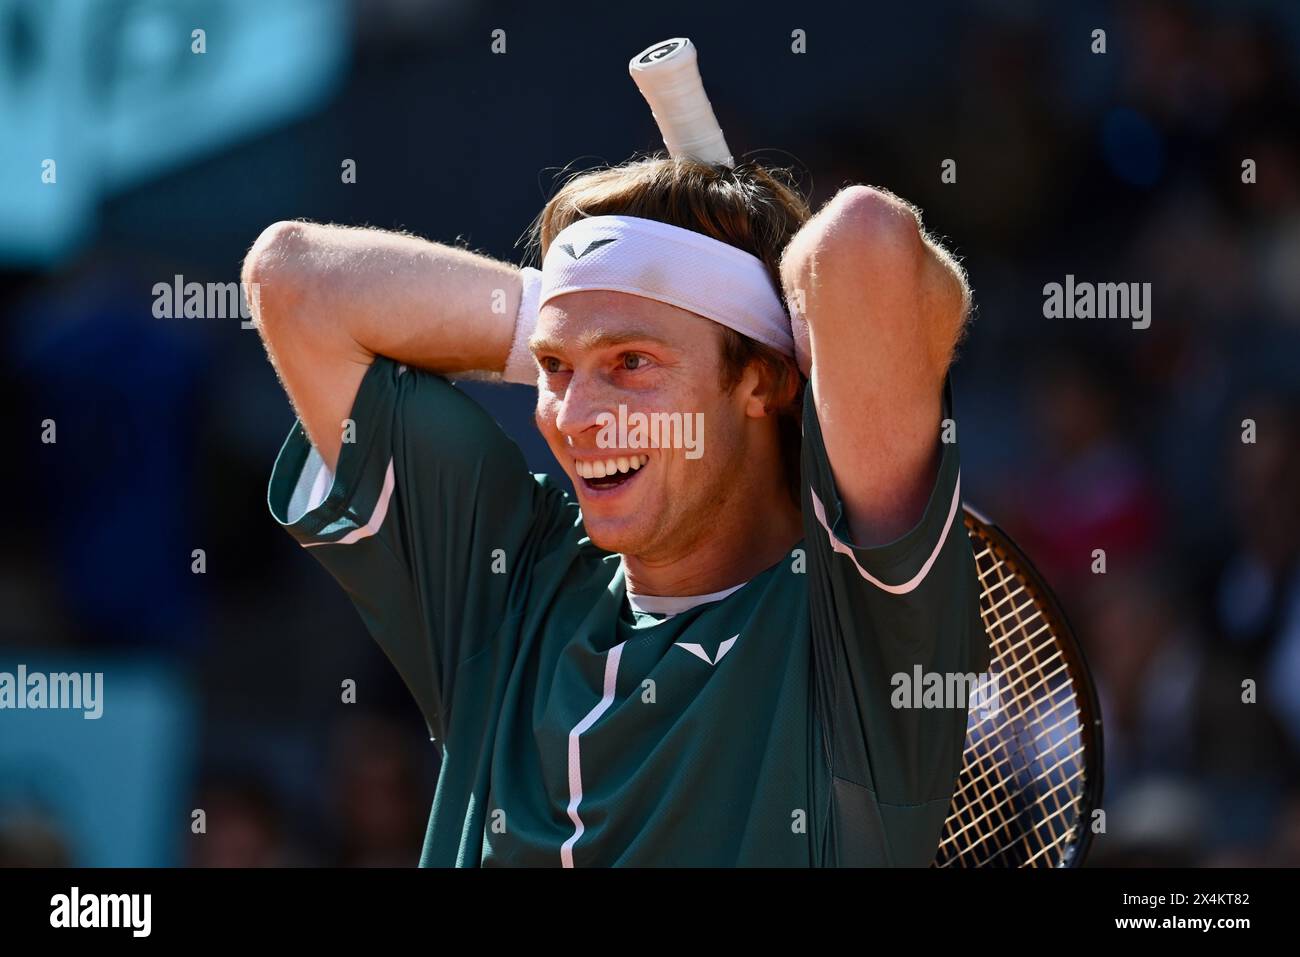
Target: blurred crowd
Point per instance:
(1174, 450)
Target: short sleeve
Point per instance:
(429, 522)
(883, 619)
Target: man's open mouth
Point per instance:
(608, 473)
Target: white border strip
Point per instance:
(575, 755)
(376, 517)
(836, 545)
(320, 488)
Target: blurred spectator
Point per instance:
(29, 838)
(1160, 823)
(1148, 665)
(1256, 598)
(383, 805)
(1087, 489)
(245, 826)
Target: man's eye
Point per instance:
(551, 365)
(633, 361)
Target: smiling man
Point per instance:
(691, 663)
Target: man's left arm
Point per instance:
(885, 306)
(891, 576)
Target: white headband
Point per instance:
(668, 264)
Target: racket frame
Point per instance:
(1049, 606)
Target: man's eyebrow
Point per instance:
(596, 339)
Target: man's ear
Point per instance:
(774, 386)
(753, 386)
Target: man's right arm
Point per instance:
(328, 299)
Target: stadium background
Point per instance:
(223, 688)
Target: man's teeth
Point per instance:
(590, 470)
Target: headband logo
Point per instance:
(594, 244)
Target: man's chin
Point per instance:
(627, 535)
(611, 537)
(614, 526)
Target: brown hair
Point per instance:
(747, 206)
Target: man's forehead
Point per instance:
(595, 335)
(598, 318)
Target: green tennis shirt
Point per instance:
(576, 730)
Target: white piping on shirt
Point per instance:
(836, 545)
(575, 751)
(376, 517)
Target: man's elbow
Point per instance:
(276, 275)
(874, 246)
(884, 236)
(859, 232)
(875, 223)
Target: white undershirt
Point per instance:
(669, 605)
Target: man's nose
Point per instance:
(580, 409)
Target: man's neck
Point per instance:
(730, 555)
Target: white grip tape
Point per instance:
(668, 76)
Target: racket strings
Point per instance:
(1019, 796)
(999, 627)
(1047, 819)
(988, 779)
(983, 775)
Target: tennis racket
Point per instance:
(1031, 771)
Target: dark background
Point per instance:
(223, 688)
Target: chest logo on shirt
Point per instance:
(699, 652)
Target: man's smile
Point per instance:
(607, 474)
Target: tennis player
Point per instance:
(692, 661)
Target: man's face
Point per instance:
(601, 350)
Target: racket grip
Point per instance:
(672, 86)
